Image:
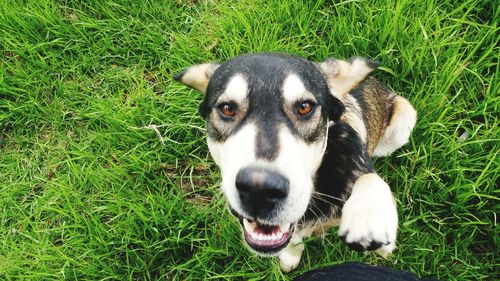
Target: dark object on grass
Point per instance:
(353, 271)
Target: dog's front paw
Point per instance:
(290, 256)
(369, 217)
(289, 261)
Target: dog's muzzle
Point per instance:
(261, 192)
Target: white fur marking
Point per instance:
(370, 215)
(237, 152)
(293, 89)
(236, 89)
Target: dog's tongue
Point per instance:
(265, 237)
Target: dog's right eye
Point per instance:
(305, 108)
(227, 109)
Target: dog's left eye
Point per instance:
(305, 107)
(227, 109)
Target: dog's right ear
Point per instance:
(197, 76)
(343, 76)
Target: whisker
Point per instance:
(327, 195)
(314, 208)
(318, 219)
(310, 208)
(324, 200)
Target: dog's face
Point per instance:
(267, 125)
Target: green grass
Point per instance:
(89, 191)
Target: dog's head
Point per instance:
(267, 125)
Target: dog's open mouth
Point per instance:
(266, 238)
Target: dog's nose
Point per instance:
(260, 190)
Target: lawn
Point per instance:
(104, 170)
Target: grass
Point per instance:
(89, 191)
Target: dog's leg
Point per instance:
(290, 256)
(398, 131)
(369, 217)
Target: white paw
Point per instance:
(369, 217)
(289, 262)
(291, 255)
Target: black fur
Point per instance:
(337, 108)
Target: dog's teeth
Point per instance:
(249, 226)
(284, 227)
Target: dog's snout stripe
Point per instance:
(267, 142)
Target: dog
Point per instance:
(293, 140)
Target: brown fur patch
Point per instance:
(378, 106)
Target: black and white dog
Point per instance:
(293, 140)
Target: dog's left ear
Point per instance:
(343, 76)
(197, 76)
